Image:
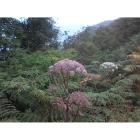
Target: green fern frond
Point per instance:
(117, 78)
(42, 96)
(127, 82)
(104, 98)
(131, 68)
(73, 86)
(31, 117)
(7, 110)
(134, 77)
(18, 82)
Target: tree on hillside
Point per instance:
(39, 32)
(11, 34)
(116, 34)
(69, 42)
(32, 33)
(73, 41)
(126, 27)
(102, 37)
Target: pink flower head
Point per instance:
(72, 73)
(68, 67)
(79, 98)
(84, 72)
(78, 70)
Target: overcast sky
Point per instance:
(74, 24)
(81, 21)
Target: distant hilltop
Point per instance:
(104, 23)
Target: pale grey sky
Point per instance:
(81, 21)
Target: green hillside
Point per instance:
(94, 27)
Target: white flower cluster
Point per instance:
(109, 65)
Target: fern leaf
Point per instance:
(131, 68)
(134, 56)
(42, 96)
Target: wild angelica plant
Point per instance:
(66, 68)
(108, 68)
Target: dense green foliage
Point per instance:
(31, 33)
(24, 82)
(39, 32)
(11, 33)
(28, 49)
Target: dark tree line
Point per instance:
(31, 33)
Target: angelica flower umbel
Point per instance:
(79, 98)
(109, 65)
(69, 67)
